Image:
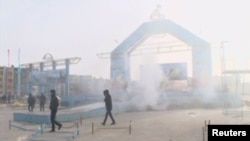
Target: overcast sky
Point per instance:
(84, 28)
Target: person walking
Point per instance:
(54, 103)
(42, 101)
(108, 105)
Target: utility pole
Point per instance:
(223, 66)
(8, 77)
(19, 75)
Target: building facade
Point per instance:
(7, 80)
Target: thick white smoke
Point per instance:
(149, 94)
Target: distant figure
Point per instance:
(9, 97)
(54, 103)
(42, 101)
(31, 102)
(108, 105)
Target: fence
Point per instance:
(40, 130)
(129, 127)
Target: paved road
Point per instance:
(177, 125)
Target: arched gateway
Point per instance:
(201, 50)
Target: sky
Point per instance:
(85, 28)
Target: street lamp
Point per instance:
(223, 66)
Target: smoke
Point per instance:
(148, 95)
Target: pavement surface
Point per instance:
(174, 125)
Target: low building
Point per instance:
(7, 80)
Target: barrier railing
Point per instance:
(129, 127)
(204, 132)
(23, 128)
(40, 130)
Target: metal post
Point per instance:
(205, 124)
(92, 128)
(54, 68)
(43, 85)
(9, 124)
(67, 83)
(222, 66)
(19, 75)
(203, 134)
(6, 85)
(77, 126)
(130, 127)
(81, 120)
(41, 127)
(242, 96)
(30, 80)
(54, 65)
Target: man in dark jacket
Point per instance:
(42, 101)
(108, 105)
(54, 103)
(31, 102)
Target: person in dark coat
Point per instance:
(42, 101)
(108, 105)
(54, 103)
(31, 103)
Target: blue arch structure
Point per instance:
(201, 49)
(52, 63)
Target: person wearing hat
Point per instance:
(54, 103)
